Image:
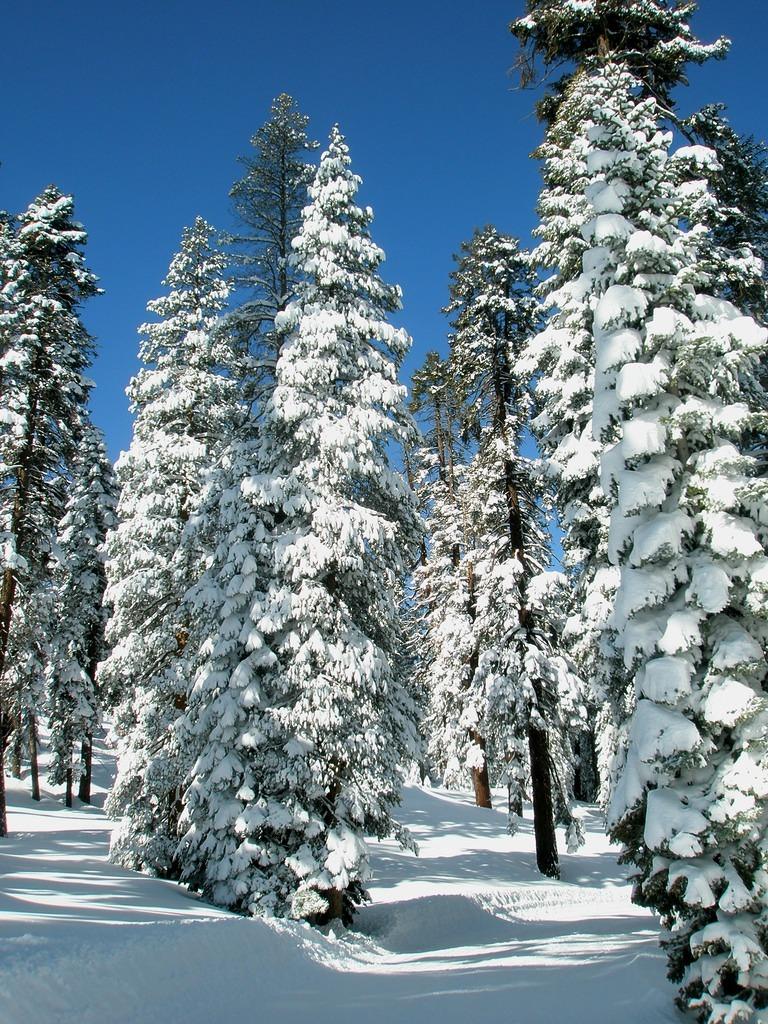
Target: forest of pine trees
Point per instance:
(542, 571)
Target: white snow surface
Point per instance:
(466, 930)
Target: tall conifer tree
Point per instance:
(520, 668)
(653, 37)
(740, 182)
(268, 201)
(45, 351)
(77, 644)
(300, 708)
(446, 647)
(186, 401)
(562, 360)
(685, 532)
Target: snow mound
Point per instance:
(468, 927)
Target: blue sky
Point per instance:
(140, 109)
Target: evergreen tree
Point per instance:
(740, 182)
(562, 360)
(686, 534)
(563, 357)
(518, 665)
(186, 403)
(445, 638)
(268, 201)
(28, 655)
(8, 272)
(299, 710)
(78, 641)
(653, 37)
(44, 352)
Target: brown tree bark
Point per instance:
(3, 805)
(8, 587)
(17, 743)
(33, 767)
(480, 781)
(335, 899)
(86, 757)
(68, 790)
(7, 596)
(543, 809)
(86, 748)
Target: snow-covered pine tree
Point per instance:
(740, 182)
(186, 402)
(562, 360)
(77, 645)
(8, 253)
(739, 223)
(688, 538)
(518, 666)
(268, 201)
(44, 353)
(653, 37)
(300, 711)
(27, 658)
(444, 638)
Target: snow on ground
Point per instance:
(468, 930)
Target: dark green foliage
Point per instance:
(741, 187)
(44, 352)
(77, 646)
(653, 37)
(268, 201)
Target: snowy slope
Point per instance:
(468, 930)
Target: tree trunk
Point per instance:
(86, 748)
(543, 811)
(480, 779)
(18, 522)
(3, 809)
(174, 809)
(7, 596)
(8, 588)
(538, 742)
(33, 769)
(585, 781)
(335, 899)
(16, 747)
(17, 739)
(68, 791)
(86, 757)
(4, 715)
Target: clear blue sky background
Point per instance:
(141, 108)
